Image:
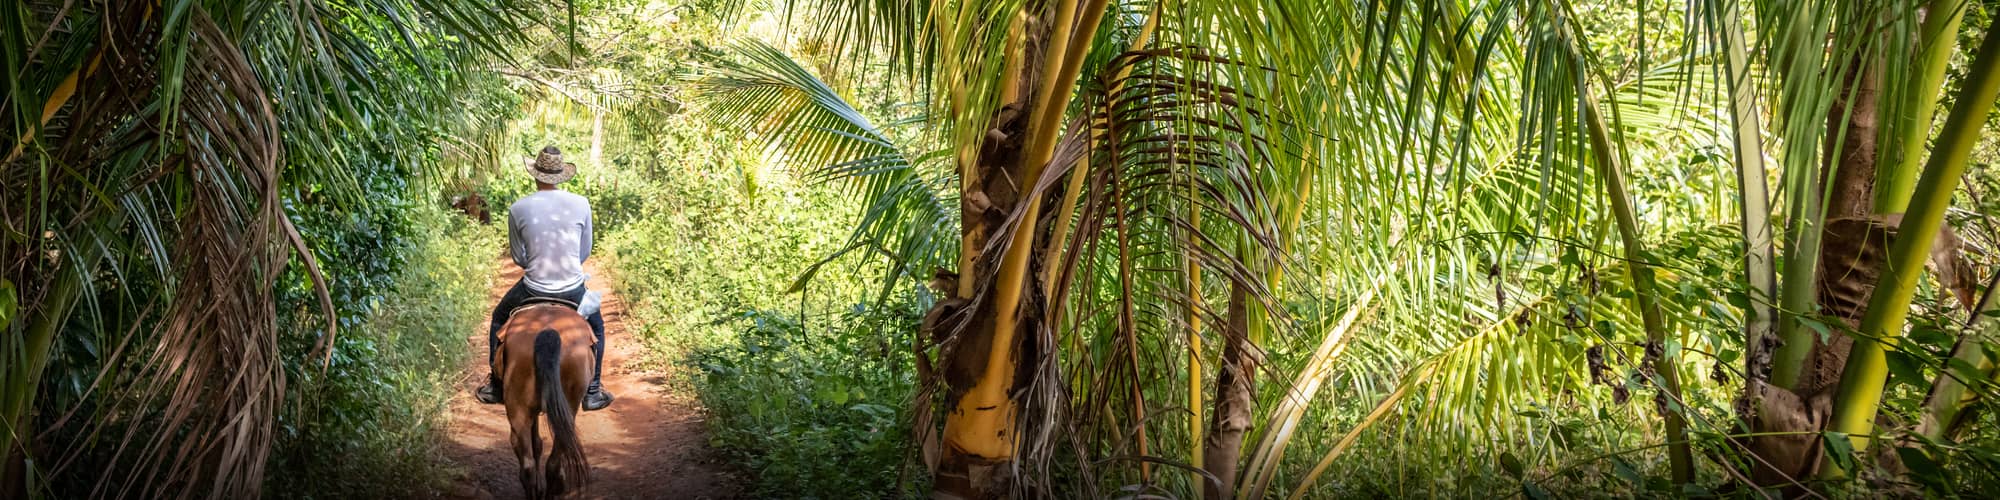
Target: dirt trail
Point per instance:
(651, 443)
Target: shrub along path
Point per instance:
(651, 443)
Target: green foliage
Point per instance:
(367, 422)
(804, 389)
(1441, 151)
(823, 414)
(1428, 149)
(166, 190)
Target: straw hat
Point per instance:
(550, 168)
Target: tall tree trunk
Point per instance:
(1235, 398)
(1852, 127)
(1611, 171)
(1795, 404)
(981, 429)
(1866, 370)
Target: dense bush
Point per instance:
(808, 390)
(367, 423)
(816, 414)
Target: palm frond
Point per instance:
(814, 128)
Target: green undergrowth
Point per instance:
(807, 390)
(368, 423)
(817, 413)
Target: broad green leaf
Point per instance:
(1839, 449)
(1623, 469)
(1511, 464)
(7, 302)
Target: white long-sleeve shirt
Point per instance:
(549, 234)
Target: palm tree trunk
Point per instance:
(1762, 405)
(1828, 241)
(1611, 173)
(1851, 145)
(980, 430)
(1866, 370)
(1235, 398)
(1804, 364)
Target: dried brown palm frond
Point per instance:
(215, 366)
(148, 137)
(196, 411)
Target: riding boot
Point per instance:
(596, 398)
(489, 393)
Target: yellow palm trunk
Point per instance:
(980, 430)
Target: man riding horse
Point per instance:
(548, 234)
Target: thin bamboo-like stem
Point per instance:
(1611, 171)
(1127, 320)
(1949, 393)
(1195, 370)
(1064, 223)
(1754, 199)
(1860, 393)
(1894, 184)
(1194, 364)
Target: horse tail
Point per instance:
(567, 456)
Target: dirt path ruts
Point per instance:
(651, 443)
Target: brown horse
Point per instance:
(545, 362)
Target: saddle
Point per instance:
(591, 301)
(590, 304)
(547, 301)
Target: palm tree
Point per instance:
(1437, 183)
(1866, 371)
(154, 147)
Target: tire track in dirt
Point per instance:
(651, 443)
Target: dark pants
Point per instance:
(520, 294)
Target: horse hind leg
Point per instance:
(527, 450)
(541, 460)
(553, 475)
